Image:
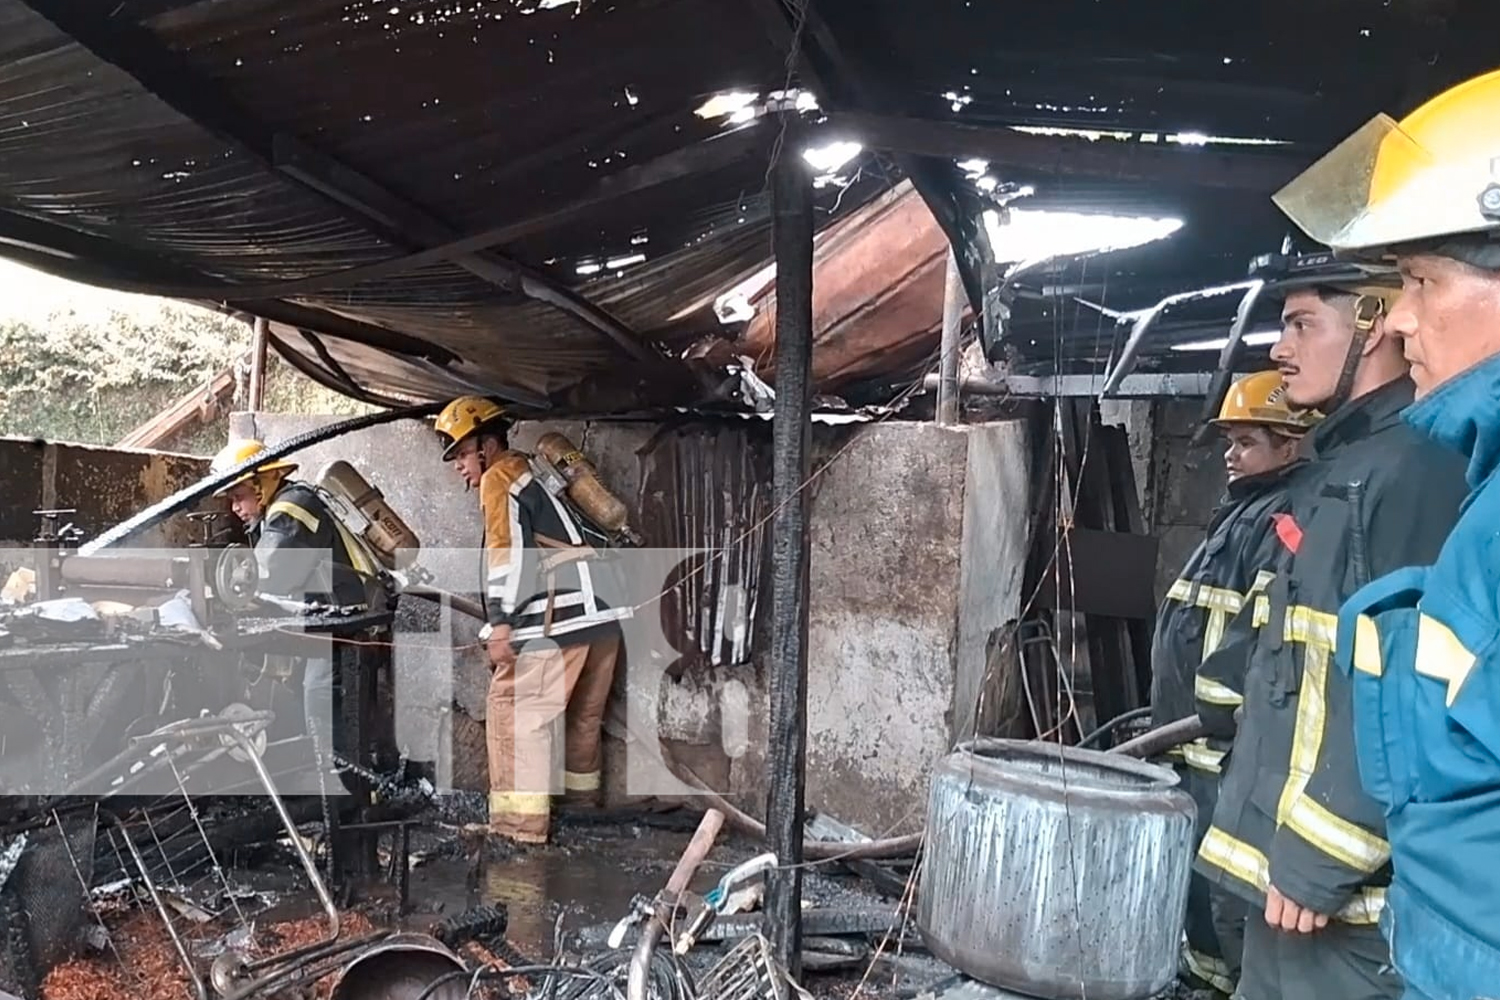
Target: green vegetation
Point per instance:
(92, 379)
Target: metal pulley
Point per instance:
(236, 575)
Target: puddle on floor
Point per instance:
(588, 876)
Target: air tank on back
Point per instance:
(389, 537)
(584, 486)
(1056, 872)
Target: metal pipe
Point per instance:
(125, 571)
(308, 866)
(1145, 321)
(257, 390)
(953, 312)
(1229, 359)
(666, 903)
(785, 807)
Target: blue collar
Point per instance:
(1464, 414)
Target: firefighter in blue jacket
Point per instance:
(1262, 435)
(1421, 646)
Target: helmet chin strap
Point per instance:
(1367, 310)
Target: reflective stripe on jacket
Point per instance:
(1226, 569)
(304, 553)
(538, 578)
(1291, 811)
(1420, 649)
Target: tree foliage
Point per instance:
(93, 379)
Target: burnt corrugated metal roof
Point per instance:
(219, 151)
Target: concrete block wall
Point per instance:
(918, 540)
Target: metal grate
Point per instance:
(747, 972)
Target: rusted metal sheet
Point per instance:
(1056, 872)
(877, 295)
(708, 488)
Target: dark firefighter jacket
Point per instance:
(1226, 570)
(1291, 811)
(1420, 648)
(539, 575)
(305, 553)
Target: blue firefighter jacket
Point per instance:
(1422, 647)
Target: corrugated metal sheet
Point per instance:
(479, 113)
(706, 489)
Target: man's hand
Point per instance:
(1292, 917)
(499, 647)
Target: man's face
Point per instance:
(468, 462)
(244, 500)
(1251, 449)
(1448, 318)
(1314, 344)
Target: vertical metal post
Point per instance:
(258, 358)
(785, 809)
(953, 313)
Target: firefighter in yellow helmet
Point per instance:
(303, 553)
(1262, 435)
(552, 639)
(1418, 647)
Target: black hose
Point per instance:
(1113, 724)
(159, 512)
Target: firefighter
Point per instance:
(1293, 833)
(303, 553)
(1262, 436)
(551, 638)
(1419, 646)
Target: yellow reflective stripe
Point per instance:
(581, 781)
(1213, 632)
(357, 557)
(1206, 597)
(520, 803)
(1315, 628)
(1207, 969)
(1203, 757)
(1442, 656)
(1262, 613)
(1367, 657)
(1262, 582)
(1206, 689)
(296, 512)
(1313, 822)
(1237, 858)
(1336, 836)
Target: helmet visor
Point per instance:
(1380, 188)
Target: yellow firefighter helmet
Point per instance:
(1261, 399)
(1432, 176)
(462, 418)
(236, 452)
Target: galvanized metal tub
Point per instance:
(402, 967)
(1056, 872)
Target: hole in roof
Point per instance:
(827, 159)
(1253, 338)
(1032, 234)
(729, 103)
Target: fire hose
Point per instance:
(159, 512)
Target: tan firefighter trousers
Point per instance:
(521, 714)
